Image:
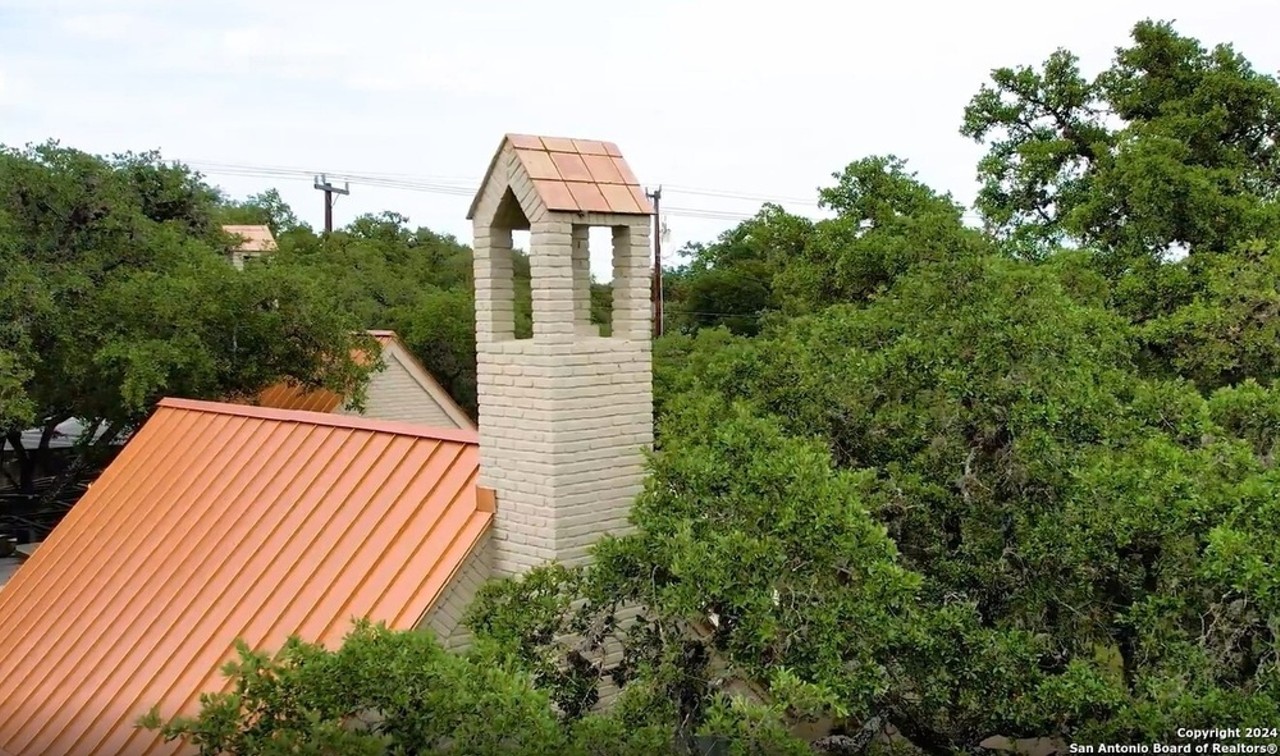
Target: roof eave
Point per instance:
(484, 183)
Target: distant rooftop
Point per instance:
(253, 238)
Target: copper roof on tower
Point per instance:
(574, 175)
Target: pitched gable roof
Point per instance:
(219, 522)
(396, 349)
(572, 175)
(290, 396)
(252, 238)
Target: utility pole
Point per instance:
(322, 183)
(656, 196)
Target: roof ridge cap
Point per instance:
(329, 419)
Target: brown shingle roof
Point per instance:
(219, 522)
(572, 175)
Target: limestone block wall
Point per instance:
(561, 441)
(564, 416)
(445, 618)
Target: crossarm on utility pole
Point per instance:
(322, 183)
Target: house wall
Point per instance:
(395, 394)
(445, 618)
(238, 258)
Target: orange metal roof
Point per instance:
(572, 175)
(253, 238)
(291, 396)
(219, 522)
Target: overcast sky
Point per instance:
(707, 97)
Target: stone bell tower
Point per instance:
(564, 415)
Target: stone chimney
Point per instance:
(564, 415)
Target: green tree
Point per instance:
(384, 692)
(266, 208)
(921, 386)
(121, 296)
(886, 222)
(1067, 528)
(441, 330)
(377, 264)
(413, 281)
(1170, 151)
(19, 296)
(1172, 146)
(730, 282)
(1221, 323)
(753, 559)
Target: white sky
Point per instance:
(727, 96)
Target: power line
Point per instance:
(739, 195)
(434, 188)
(460, 187)
(466, 181)
(452, 184)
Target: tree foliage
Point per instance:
(120, 294)
(1172, 145)
(1059, 526)
(263, 209)
(384, 692)
(886, 222)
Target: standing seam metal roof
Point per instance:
(219, 522)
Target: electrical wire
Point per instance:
(462, 187)
(670, 309)
(437, 188)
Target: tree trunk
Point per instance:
(26, 464)
(85, 454)
(925, 738)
